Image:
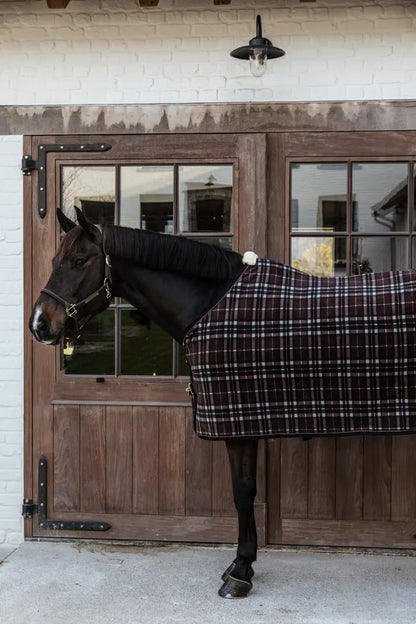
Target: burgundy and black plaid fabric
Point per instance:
(285, 353)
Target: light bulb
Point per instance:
(258, 61)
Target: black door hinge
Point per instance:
(29, 164)
(29, 508)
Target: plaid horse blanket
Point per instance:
(286, 353)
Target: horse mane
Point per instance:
(164, 252)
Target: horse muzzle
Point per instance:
(41, 327)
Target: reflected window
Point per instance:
(375, 254)
(205, 198)
(319, 197)
(380, 192)
(146, 197)
(90, 188)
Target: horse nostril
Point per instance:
(42, 324)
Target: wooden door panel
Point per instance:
(198, 472)
(92, 458)
(66, 465)
(124, 451)
(403, 487)
(321, 482)
(349, 478)
(377, 478)
(145, 460)
(119, 455)
(351, 490)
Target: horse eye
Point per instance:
(79, 262)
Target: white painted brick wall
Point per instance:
(114, 52)
(111, 51)
(11, 340)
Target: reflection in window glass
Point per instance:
(378, 253)
(94, 351)
(205, 198)
(90, 188)
(380, 192)
(226, 242)
(146, 198)
(145, 350)
(319, 197)
(322, 256)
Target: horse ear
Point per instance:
(66, 223)
(86, 225)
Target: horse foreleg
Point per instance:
(243, 462)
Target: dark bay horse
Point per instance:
(272, 351)
(172, 281)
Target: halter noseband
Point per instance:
(73, 309)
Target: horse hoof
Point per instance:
(234, 588)
(226, 575)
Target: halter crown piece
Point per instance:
(250, 258)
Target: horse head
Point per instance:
(78, 285)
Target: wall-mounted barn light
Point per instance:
(258, 50)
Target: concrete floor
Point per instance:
(77, 583)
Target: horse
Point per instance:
(187, 287)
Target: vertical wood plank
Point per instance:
(198, 472)
(172, 460)
(294, 478)
(321, 486)
(66, 458)
(377, 477)
(273, 492)
(92, 458)
(403, 503)
(277, 219)
(119, 459)
(222, 489)
(349, 485)
(252, 231)
(145, 460)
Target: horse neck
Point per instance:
(172, 300)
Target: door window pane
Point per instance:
(378, 253)
(379, 193)
(322, 256)
(90, 188)
(146, 197)
(319, 197)
(145, 350)
(205, 198)
(94, 351)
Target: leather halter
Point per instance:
(73, 309)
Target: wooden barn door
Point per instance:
(348, 206)
(116, 431)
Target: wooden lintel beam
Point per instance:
(222, 1)
(58, 4)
